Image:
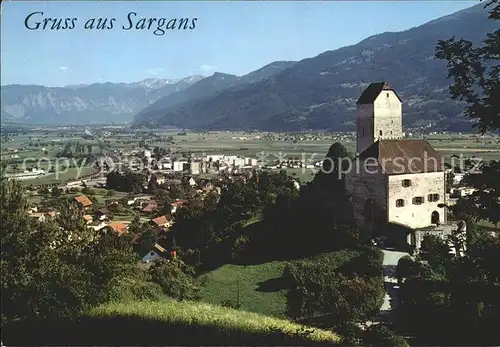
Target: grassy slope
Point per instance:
(260, 287)
(167, 323)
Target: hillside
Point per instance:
(165, 323)
(320, 92)
(261, 288)
(85, 104)
(205, 88)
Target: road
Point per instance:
(389, 264)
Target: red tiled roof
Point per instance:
(151, 206)
(52, 213)
(178, 203)
(87, 217)
(397, 157)
(119, 227)
(84, 200)
(160, 221)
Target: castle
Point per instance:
(393, 181)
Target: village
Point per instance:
(106, 204)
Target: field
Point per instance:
(167, 322)
(260, 287)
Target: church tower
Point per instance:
(379, 115)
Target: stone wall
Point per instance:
(388, 116)
(365, 186)
(442, 231)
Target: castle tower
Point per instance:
(379, 115)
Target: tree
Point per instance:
(380, 335)
(475, 72)
(50, 269)
(450, 179)
(183, 287)
(406, 268)
(56, 192)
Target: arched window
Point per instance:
(380, 132)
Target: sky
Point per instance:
(233, 37)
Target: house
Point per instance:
(195, 167)
(119, 227)
(160, 179)
(83, 201)
(176, 204)
(38, 216)
(87, 218)
(150, 206)
(180, 165)
(161, 221)
(156, 253)
(205, 185)
(190, 180)
(101, 214)
(52, 214)
(100, 225)
(462, 191)
(392, 180)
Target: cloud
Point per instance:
(206, 68)
(63, 68)
(155, 72)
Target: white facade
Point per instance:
(429, 186)
(179, 166)
(150, 257)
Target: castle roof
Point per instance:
(397, 157)
(373, 91)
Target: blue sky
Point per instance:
(231, 37)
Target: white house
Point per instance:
(179, 165)
(393, 180)
(156, 253)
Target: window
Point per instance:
(387, 94)
(362, 131)
(418, 200)
(380, 132)
(400, 203)
(406, 183)
(433, 197)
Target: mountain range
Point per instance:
(321, 92)
(85, 104)
(314, 93)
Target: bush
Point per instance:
(406, 268)
(349, 293)
(380, 335)
(130, 289)
(352, 334)
(175, 278)
(88, 191)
